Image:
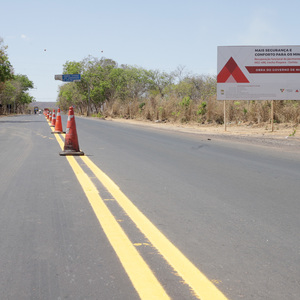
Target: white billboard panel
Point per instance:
(258, 73)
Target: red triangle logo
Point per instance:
(231, 73)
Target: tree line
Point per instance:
(108, 89)
(14, 96)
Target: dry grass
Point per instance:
(183, 111)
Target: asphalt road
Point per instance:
(231, 209)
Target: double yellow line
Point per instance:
(142, 278)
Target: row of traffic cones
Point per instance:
(54, 121)
(71, 146)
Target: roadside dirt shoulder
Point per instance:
(285, 137)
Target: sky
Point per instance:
(157, 35)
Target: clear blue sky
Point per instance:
(156, 34)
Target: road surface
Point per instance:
(145, 214)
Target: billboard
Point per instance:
(258, 73)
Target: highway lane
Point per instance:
(232, 210)
(51, 244)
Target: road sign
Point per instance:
(71, 77)
(258, 73)
(68, 77)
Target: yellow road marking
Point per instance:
(141, 244)
(142, 278)
(198, 282)
(203, 288)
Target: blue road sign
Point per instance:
(71, 77)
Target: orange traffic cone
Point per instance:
(53, 119)
(71, 140)
(50, 117)
(58, 125)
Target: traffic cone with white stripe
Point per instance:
(53, 119)
(71, 146)
(58, 125)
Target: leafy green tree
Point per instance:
(6, 95)
(160, 81)
(13, 88)
(183, 89)
(15, 93)
(23, 81)
(6, 70)
(21, 98)
(69, 95)
(98, 84)
(138, 82)
(72, 67)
